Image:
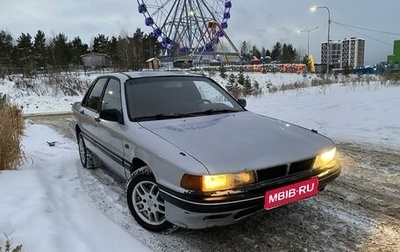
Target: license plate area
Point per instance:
(290, 193)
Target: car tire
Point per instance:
(145, 202)
(88, 161)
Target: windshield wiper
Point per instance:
(216, 111)
(160, 117)
(172, 115)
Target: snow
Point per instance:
(345, 114)
(43, 204)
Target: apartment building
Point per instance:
(353, 50)
(348, 52)
(335, 53)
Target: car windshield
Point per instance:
(157, 98)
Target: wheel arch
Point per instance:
(136, 164)
(77, 131)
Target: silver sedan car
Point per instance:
(192, 155)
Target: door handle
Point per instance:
(82, 112)
(97, 119)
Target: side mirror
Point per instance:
(113, 115)
(242, 102)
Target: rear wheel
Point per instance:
(88, 161)
(145, 202)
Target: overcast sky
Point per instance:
(259, 22)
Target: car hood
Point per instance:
(240, 141)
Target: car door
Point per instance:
(90, 111)
(109, 132)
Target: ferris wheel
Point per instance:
(187, 26)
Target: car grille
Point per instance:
(285, 170)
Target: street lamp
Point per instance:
(313, 9)
(308, 38)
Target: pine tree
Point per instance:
(6, 49)
(77, 49)
(241, 77)
(60, 50)
(276, 53)
(25, 54)
(247, 87)
(112, 51)
(289, 54)
(231, 81)
(244, 51)
(222, 71)
(233, 88)
(255, 52)
(100, 43)
(40, 49)
(151, 46)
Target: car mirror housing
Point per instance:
(242, 102)
(113, 115)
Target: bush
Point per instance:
(68, 84)
(11, 128)
(321, 81)
(8, 247)
(390, 79)
(257, 90)
(222, 71)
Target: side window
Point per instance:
(112, 96)
(93, 99)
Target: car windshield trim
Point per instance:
(163, 116)
(217, 111)
(184, 115)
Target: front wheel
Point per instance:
(145, 202)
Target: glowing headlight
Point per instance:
(209, 183)
(325, 159)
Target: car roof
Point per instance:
(144, 74)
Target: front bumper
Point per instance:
(195, 211)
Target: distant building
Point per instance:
(348, 52)
(153, 63)
(353, 50)
(95, 60)
(335, 53)
(395, 57)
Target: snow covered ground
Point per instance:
(364, 114)
(43, 205)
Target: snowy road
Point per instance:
(360, 211)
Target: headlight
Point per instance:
(210, 183)
(326, 158)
